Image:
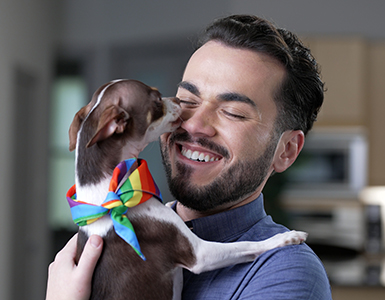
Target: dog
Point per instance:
(121, 119)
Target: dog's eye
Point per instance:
(157, 111)
(158, 103)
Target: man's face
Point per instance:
(222, 153)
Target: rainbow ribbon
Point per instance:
(136, 189)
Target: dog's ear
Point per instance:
(113, 120)
(75, 126)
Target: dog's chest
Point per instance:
(121, 271)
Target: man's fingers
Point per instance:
(66, 257)
(66, 280)
(89, 258)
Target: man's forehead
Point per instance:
(233, 73)
(217, 56)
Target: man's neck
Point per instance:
(188, 214)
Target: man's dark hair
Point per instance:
(301, 95)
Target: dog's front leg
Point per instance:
(211, 255)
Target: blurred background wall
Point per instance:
(96, 40)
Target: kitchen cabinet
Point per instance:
(376, 113)
(343, 64)
(358, 293)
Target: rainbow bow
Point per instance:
(136, 189)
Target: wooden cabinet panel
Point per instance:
(343, 70)
(358, 293)
(376, 113)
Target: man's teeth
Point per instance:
(198, 156)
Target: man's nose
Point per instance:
(199, 121)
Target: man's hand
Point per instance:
(66, 280)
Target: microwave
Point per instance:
(332, 164)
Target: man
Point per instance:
(249, 94)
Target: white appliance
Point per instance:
(332, 164)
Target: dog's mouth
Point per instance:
(175, 124)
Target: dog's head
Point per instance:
(124, 110)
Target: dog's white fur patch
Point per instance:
(101, 95)
(95, 194)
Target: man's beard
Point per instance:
(237, 183)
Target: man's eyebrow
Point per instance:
(192, 88)
(237, 98)
(230, 96)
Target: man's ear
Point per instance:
(113, 120)
(288, 149)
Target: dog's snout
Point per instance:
(175, 100)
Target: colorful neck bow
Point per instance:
(123, 193)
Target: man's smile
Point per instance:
(197, 150)
(199, 156)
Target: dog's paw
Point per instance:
(293, 237)
(288, 238)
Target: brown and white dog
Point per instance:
(121, 119)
